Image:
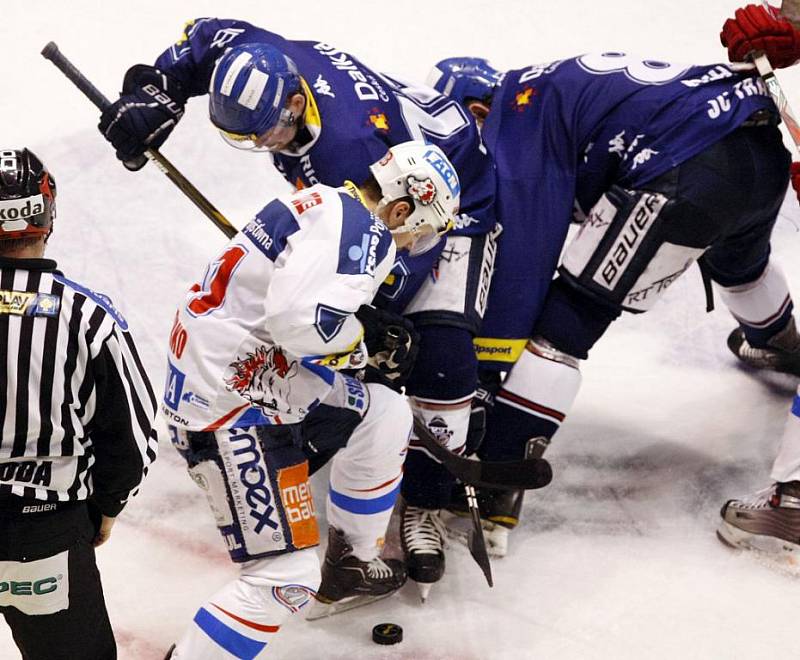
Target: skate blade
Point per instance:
(321, 610)
(458, 528)
(769, 551)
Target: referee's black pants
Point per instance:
(82, 631)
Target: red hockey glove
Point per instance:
(795, 174)
(757, 28)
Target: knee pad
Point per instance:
(532, 402)
(762, 307)
(446, 368)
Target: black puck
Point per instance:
(387, 633)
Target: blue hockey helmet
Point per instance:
(463, 78)
(248, 92)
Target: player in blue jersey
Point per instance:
(769, 520)
(664, 165)
(326, 117)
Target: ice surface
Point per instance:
(617, 559)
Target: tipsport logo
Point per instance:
(443, 168)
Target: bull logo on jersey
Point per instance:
(421, 190)
(263, 378)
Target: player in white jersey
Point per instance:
(769, 520)
(262, 356)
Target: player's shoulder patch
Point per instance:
(271, 228)
(100, 299)
(364, 240)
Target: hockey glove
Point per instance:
(392, 345)
(756, 28)
(150, 105)
(795, 174)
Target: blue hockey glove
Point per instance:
(149, 107)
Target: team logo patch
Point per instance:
(524, 99)
(438, 427)
(293, 597)
(421, 190)
(379, 121)
(26, 303)
(263, 378)
(329, 321)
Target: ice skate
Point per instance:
(782, 352)
(768, 522)
(422, 535)
(349, 582)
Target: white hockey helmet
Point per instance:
(422, 172)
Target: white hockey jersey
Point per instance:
(260, 338)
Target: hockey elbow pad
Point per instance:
(149, 107)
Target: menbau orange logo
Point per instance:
(299, 505)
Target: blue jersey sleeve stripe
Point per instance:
(232, 641)
(796, 406)
(364, 507)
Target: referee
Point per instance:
(76, 422)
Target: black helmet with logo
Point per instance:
(27, 195)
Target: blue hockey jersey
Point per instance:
(353, 115)
(562, 133)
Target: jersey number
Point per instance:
(646, 72)
(426, 112)
(211, 294)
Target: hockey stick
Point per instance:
(477, 541)
(52, 53)
(527, 474)
(779, 98)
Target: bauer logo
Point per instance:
(443, 167)
(21, 209)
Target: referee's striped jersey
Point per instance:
(76, 407)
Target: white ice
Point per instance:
(617, 559)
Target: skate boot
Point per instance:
(422, 539)
(768, 521)
(349, 582)
(500, 512)
(782, 352)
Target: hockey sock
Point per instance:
(762, 307)
(532, 402)
(440, 391)
(243, 617)
(787, 463)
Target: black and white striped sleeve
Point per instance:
(122, 434)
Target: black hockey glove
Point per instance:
(482, 406)
(392, 345)
(150, 105)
